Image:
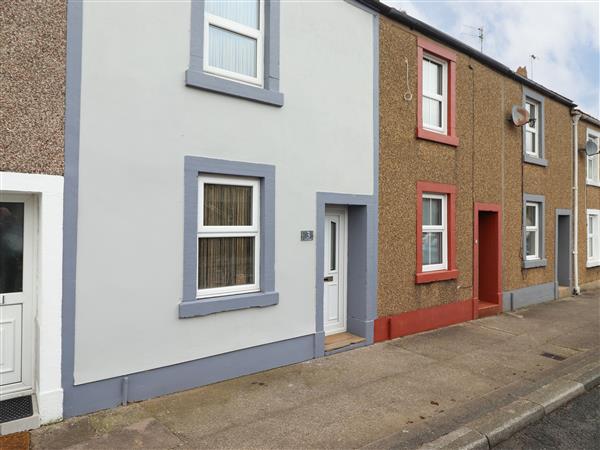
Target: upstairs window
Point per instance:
(435, 93)
(593, 162)
(532, 134)
(233, 39)
(436, 108)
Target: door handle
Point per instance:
(329, 278)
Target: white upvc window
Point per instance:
(234, 39)
(435, 94)
(532, 130)
(593, 162)
(593, 237)
(228, 244)
(532, 230)
(435, 232)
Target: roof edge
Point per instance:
(434, 33)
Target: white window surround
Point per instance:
(435, 96)
(534, 108)
(535, 228)
(231, 231)
(593, 238)
(593, 162)
(213, 20)
(439, 228)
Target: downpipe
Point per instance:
(576, 289)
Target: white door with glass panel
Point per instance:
(17, 228)
(334, 279)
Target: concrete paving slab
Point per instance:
(588, 376)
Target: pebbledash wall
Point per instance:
(589, 198)
(137, 127)
(33, 37)
(484, 163)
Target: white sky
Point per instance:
(564, 36)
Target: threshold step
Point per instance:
(339, 340)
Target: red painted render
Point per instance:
(450, 138)
(422, 320)
(452, 271)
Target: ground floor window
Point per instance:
(228, 235)
(593, 237)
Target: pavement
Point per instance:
(465, 386)
(575, 425)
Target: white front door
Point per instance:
(17, 259)
(334, 276)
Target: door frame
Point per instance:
(342, 268)
(563, 212)
(28, 309)
(477, 208)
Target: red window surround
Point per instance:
(452, 272)
(450, 138)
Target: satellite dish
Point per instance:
(591, 148)
(519, 116)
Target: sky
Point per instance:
(563, 35)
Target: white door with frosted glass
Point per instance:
(17, 259)
(335, 269)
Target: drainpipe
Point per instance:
(576, 290)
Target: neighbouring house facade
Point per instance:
(225, 160)
(32, 72)
(588, 129)
(474, 211)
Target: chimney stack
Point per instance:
(522, 70)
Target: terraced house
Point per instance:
(254, 184)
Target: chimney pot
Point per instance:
(522, 70)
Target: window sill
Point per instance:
(592, 183)
(204, 307)
(533, 263)
(593, 263)
(534, 160)
(219, 85)
(437, 275)
(437, 137)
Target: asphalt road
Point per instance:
(574, 426)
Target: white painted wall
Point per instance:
(48, 314)
(139, 120)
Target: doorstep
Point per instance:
(340, 340)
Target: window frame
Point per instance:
(591, 180)
(538, 260)
(267, 91)
(192, 306)
(533, 228)
(538, 159)
(426, 48)
(243, 30)
(205, 231)
(443, 228)
(451, 271)
(595, 236)
(443, 98)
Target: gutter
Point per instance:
(434, 33)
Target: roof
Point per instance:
(432, 32)
(588, 117)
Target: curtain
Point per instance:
(240, 11)
(227, 205)
(232, 51)
(225, 261)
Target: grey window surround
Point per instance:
(542, 261)
(196, 77)
(190, 306)
(541, 161)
